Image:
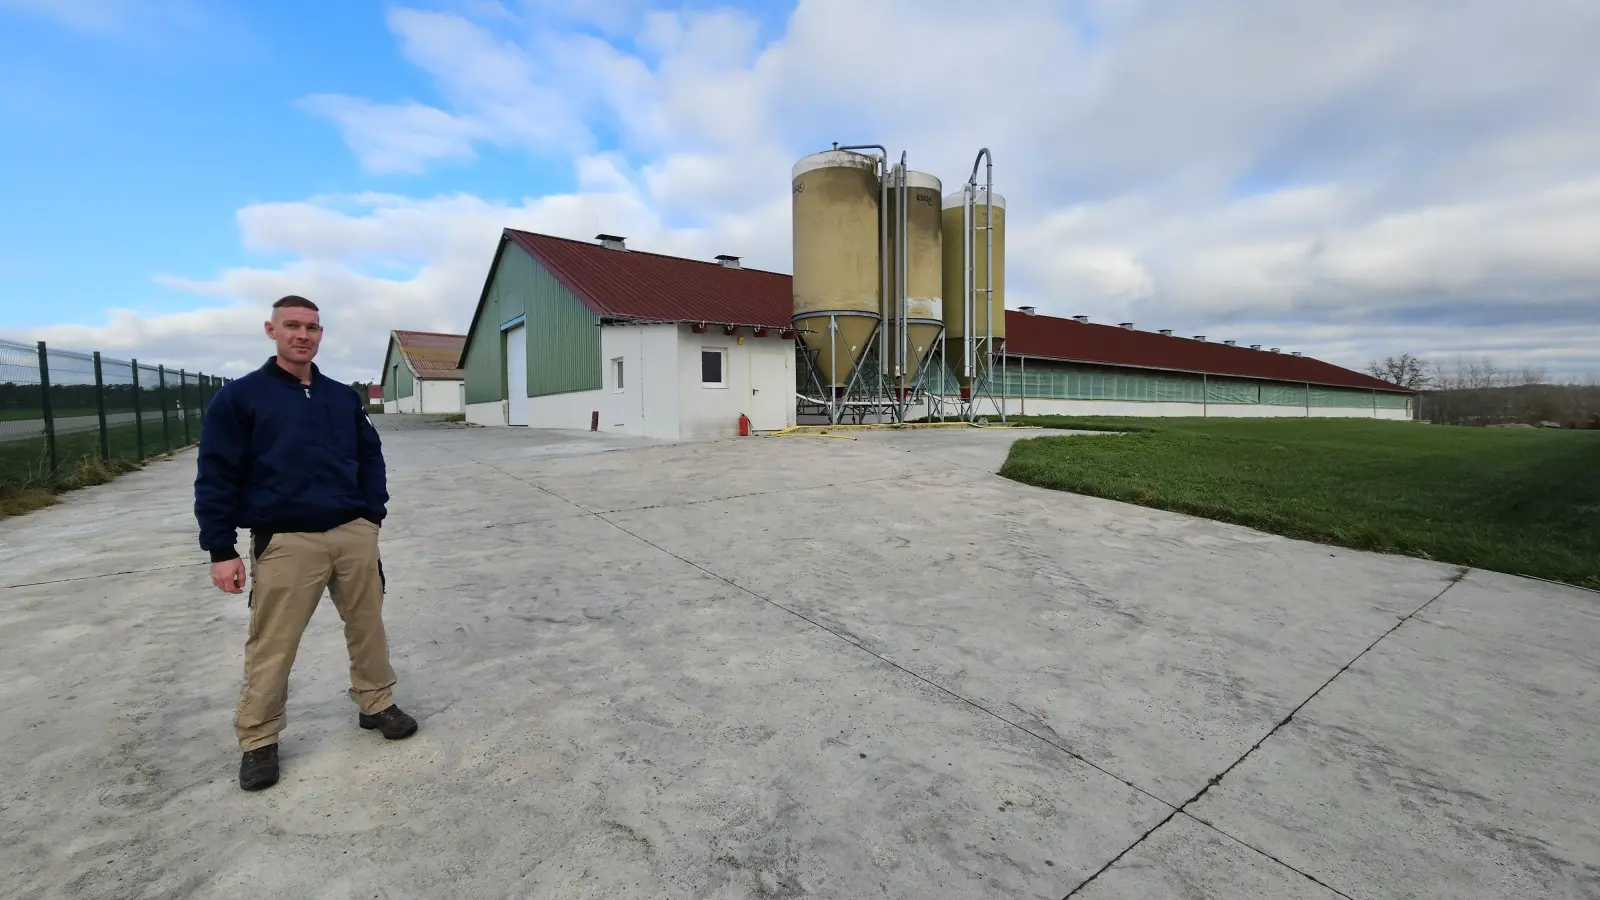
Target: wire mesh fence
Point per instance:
(61, 410)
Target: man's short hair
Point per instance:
(294, 300)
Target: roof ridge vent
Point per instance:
(1167, 332)
(728, 262)
(1127, 325)
(1231, 343)
(1200, 337)
(1083, 319)
(612, 241)
(1028, 310)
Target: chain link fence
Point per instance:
(62, 410)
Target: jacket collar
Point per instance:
(272, 368)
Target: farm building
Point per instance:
(577, 334)
(571, 334)
(421, 373)
(1056, 366)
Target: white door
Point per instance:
(517, 375)
(771, 390)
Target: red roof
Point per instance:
(633, 284)
(433, 355)
(1067, 339)
(374, 392)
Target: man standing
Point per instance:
(290, 454)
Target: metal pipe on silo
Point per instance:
(968, 313)
(903, 366)
(883, 246)
(987, 159)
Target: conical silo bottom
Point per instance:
(836, 363)
(923, 336)
(953, 350)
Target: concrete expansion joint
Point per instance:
(1213, 781)
(27, 584)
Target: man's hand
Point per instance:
(228, 575)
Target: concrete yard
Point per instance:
(795, 667)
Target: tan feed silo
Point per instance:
(924, 269)
(836, 258)
(985, 321)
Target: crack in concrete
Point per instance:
(1216, 779)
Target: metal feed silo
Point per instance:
(923, 282)
(836, 259)
(965, 240)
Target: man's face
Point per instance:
(297, 331)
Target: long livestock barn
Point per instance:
(1054, 366)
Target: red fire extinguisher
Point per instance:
(744, 425)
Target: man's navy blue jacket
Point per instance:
(279, 456)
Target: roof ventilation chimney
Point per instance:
(1127, 325)
(1167, 332)
(728, 262)
(1255, 346)
(1231, 343)
(1277, 350)
(1200, 337)
(1028, 310)
(1295, 353)
(1084, 319)
(612, 241)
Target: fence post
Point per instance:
(183, 398)
(138, 416)
(161, 396)
(49, 420)
(100, 408)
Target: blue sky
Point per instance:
(140, 141)
(1348, 179)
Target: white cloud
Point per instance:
(1349, 179)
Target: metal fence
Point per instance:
(61, 409)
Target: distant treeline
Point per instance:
(15, 396)
(1563, 405)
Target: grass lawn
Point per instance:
(24, 482)
(1525, 501)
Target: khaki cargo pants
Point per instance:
(288, 577)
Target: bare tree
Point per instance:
(1405, 370)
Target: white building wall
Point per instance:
(569, 411)
(645, 404)
(390, 407)
(411, 404)
(765, 363)
(491, 413)
(661, 395)
(440, 396)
